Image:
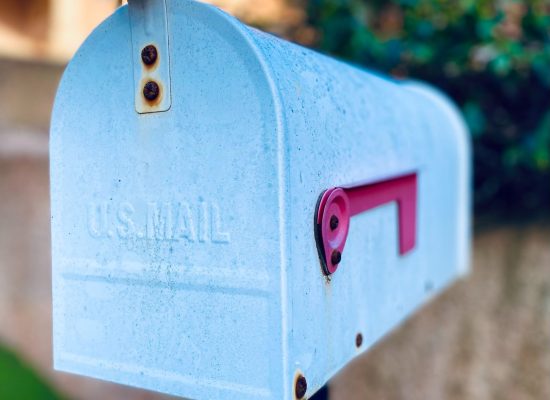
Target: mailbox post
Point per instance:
(237, 217)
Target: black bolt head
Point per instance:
(149, 55)
(151, 90)
(359, 340)
(336, 257)
(301, 387)
(334, 222)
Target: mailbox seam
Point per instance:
(282, 187)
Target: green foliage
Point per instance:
(491, 57)
(19, 382)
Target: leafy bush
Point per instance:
(491, 57)
(19, 382)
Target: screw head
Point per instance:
(301, 387)
(336, 257)
(151, 90)
(334, 221)
(149, 55)
(359, 340)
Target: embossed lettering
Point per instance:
(126, 227)
(159, 221)
(203, 222)
(198, 223)
(218, 236)
(97, 217)
(185, 228)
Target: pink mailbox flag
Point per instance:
(337, 205)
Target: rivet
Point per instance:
(151, 90)
(359, 340)
(301, 387)
(334, 222)
(336, 257)
(149, 55)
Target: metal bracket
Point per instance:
(151, 55)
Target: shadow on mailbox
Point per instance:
(237, 217)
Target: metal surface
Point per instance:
(184, 259)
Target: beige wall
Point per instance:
(48, 29)
(52, 30)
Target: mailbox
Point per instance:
(237, 217)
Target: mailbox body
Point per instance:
(184, 254)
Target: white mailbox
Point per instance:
(237, 217)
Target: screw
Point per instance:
(359, 340)
(149, 55)
(336, 257)
(151, 90)
(301, 387)
(334, 222)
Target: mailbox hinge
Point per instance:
(150, 55)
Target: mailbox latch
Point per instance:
(337, 205)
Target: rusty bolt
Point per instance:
(301, 387)
(359, 340)
(336, 257)
(334, 222)
(149, 55)
(151, 90)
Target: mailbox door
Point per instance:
(165, 225)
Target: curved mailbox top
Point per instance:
(185, 257)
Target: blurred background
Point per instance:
(487, 337)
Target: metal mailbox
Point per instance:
(237, 217)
